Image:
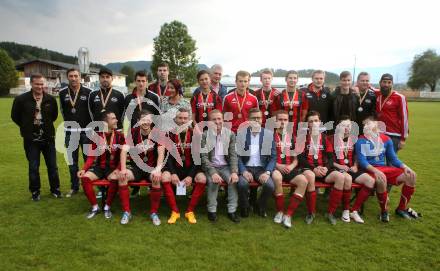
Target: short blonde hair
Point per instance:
(266, 71)
(318, 72)
(242, 74)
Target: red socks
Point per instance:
(346, 198)
(295, 200)
(405, 197)
(124, 196)
(311, 202)
(361, 197)
(155, 194)
(383, 201)
(279, 202)
(169, 195)
(111, 192)
(199, 189)
(335, 200)
(88, 190)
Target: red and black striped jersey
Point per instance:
(323, 156)
(266, 102)
(158, 89)
(285, 144)
(146, 148)
(202, 104)
(344, 152)
(104, 153)
(293, 103)
(183, 145)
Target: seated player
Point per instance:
(318, 157)
(186, 171)
(287, 171)
(255, 164)
(145, 163)
(372, 149)
(345, 162)
(102, 163)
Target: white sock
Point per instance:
(106, 207)
(95, 207)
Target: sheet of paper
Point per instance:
(181, 189)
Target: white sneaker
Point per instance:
(356, 217)
(346, 216)
(287, 221)
(126, 216)
(278, 218)
(155, 219)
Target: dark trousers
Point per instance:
(75, 140)
(33, 150)
(243, 189)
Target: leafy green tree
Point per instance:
(8, 74)
(177, 48)
(129, 71)
(425, 70)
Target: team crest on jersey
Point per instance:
(249, 103)
(295, 103)
(97, 99)
(184, 145)
(83, 98)
(324, 96)
(367, 101)
(114, 99)
(321, 147)
(198, 105)
(287, 145)
(268, 102)
(389, 102)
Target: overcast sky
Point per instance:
(237, 34)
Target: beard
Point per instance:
(385, 91)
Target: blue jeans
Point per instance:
(73, 158)
(33, 150)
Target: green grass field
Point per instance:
(54, 234)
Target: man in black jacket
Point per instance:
(74, 108)
(106, 98)
(345, 101)
(141, 98)
(367, 99)
(35, 112)
(318, 96)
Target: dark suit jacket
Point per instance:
(268, 161)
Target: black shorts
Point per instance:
(101, 173)
(287, 178)
(183, 172)
(138, 173)
(355, 175)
